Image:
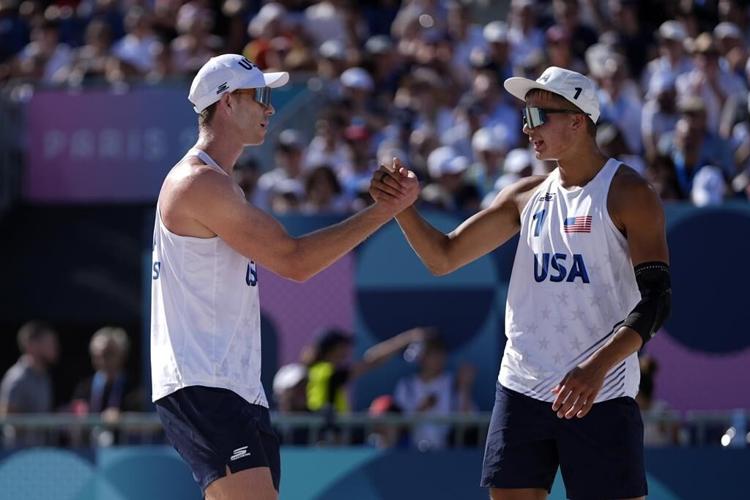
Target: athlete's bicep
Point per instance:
(486, 230)
(248, 230)
(642, 216)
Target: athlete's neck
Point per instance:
(224, 152)
(579, 169)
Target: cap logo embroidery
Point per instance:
(246, 64)
(223, 87)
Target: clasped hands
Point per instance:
(394, 186)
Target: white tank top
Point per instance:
(572, 280)
(205, 314)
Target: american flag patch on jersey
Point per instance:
(581, 224)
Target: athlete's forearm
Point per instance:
(624, 342)
(430, 245)
(318, 250)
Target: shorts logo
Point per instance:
(239, 453)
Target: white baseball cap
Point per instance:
(288, 376)
(227, 73)
(445, 160)
(727, 30)
(494, 139)
(573, 86)
(357, 78)
(672, 30)
(517, 161)
(496, 31)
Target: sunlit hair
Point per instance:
(205, 116)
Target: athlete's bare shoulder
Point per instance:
(521, 190)
(189, 186)
(630, 195)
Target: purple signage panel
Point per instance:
(300, 310)
(104, 146)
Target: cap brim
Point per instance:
(518, 86)
(274, 80)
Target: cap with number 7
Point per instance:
(227, 73)
(573, 86)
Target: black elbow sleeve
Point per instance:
(652, 311)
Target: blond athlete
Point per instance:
(205, 313)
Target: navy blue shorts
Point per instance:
(213, 429)
(600, 455)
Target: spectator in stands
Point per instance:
(323, 193)
(137, 48)
(288, 155)
(672, 61)
(330, 367)
(45, 49)
(384, 64)
(162, 69)
(426, 90)
(633, 39)
(447, 187)
(286, 197)
(489, 145)
(93, 62)
(268, 24)
(692, 146)
(661, 174)
(109, 391)
(290, 388)
(329, 20)
(560, 50)
(332, 60)
(195, 44)
(709, 80)
(386, 435)
(611, 142)
(526, 38)
(657, 429)
(620, 101)
(434, 391)
(659, 115)
(466, 36)
(357, 87)
(359, 137)
(328, 147)
(469, 115)
(26, 387)
(499, 58)
(732, 47)
(500, 110)
(245, 173)
(518, 163)
(567, 15)
(290, 397)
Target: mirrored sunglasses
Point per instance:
(263, 95)
(260, 94)
(534, 117)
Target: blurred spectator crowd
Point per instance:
(422, 80)
(432, 406)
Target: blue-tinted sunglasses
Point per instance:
(534, 117)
